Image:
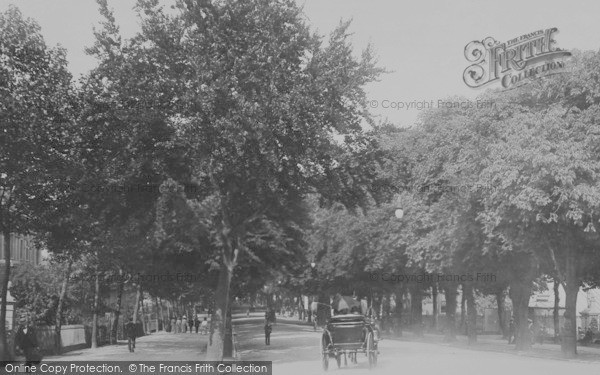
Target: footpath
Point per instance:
(495, 343)
(154, 347)
(160, 345)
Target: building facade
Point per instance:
(22, 250)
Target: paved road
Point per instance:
(295, 350)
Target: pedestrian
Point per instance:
(26, 341)
(178, 325)
(130, 332)
(184, 324)
(196, 322)
(191, 324)
(173, 325)
(511, 331)
(204, 326)
(268, 330)
(530, 331)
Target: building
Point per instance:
(541, 307)
(22, 250)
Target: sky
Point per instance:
(420, 43)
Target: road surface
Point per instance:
(295, 350)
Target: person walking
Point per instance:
(191, 324)
(26, 341)
(130, 332)
(178, 325)
(268, 330)
(173, 325)
(196, 322)
(184, 324)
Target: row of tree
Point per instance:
(511, 190)
(229, 141)
(191, 147)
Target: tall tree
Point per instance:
(258, 104)
(34, 87)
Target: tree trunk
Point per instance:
(159, 314)
(450, 294)
(115, 325)
(434, 297)
(95, 313)
(471, 314)
(555, 313)
(136, 305)
(59, 308)
(5, 354)
(463, 313)
(520, 293)
(501, 304)
(569, 337)
(216, 339)
(144, 313)
(416, 309)
(300, 307)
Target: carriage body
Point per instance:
(347, 336)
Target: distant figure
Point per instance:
(204, 327)
(184, 324)
(178, 325)
(26, 340)
(542, 334)
(191, 324)
(268, 330)
(511, 331)
(173, 325)
(588, 337)
(530, 331)
(130, 333)
(196, 322)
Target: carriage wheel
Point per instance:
(371, 351)
(325, 353)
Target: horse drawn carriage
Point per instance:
(346, 335)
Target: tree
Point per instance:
(256, 100)
(546, 165)
(34, 85)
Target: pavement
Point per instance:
(156, 346)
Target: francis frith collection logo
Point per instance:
(514, 62)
